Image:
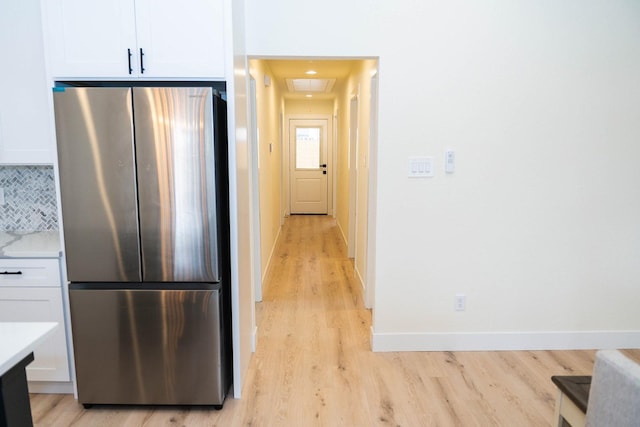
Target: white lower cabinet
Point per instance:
(26, 297)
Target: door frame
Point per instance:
(369, 297)
(286, 162)
(254, 143)
(354, 123)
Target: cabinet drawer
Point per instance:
(39, 305)
(23, 272)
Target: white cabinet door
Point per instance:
(91, 39)
(181, 39)
(135, 39)
(39, 305)
(25, 120)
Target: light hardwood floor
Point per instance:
(313, 365)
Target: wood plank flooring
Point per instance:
(313, 365)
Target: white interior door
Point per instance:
(308, 166)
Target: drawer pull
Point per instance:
(10, 272)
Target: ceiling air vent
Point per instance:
(310, 85)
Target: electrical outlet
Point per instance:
(460, 302)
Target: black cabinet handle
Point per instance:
(324, 165)
(10, 272)
(129, 53)
(141, 61)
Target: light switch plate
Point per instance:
(420, 167)
(2, 202)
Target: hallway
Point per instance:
(313, 332)
(313, 365)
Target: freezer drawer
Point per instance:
(153, 345)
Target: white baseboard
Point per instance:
(273, 251)
(344, 236)
(254, 339)
(497, 341)
(50, 387)
(360, 279)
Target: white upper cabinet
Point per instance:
(120, 39)
(90, 38)
(25, 108)
(181, 39)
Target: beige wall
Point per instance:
(293, 106)
(341, 111)
(357, 85)
(269, 106)
(363, 78)
(539, 224)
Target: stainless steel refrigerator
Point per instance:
(144, 190)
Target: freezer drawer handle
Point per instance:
(141, 61)
(10, 272)
(129, 53)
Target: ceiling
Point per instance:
(338, 69)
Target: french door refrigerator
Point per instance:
(144, 192)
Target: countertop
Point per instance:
(35, 244)
(18, 339)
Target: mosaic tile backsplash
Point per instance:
(30, 199)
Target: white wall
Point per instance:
(539, 226)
